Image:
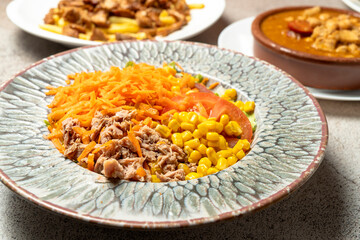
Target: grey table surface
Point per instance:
(326, 207)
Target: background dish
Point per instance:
(27, 15)
(238, 37)
(353, 4)
(288, 147)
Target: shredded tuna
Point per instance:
(117, 157)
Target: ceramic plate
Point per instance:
(288, 146)
(238, 37)
(27, 15)
(353, 4)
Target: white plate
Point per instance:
(27, 15)
(353, 4)
(238, 37)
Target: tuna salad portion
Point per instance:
(115, 154)
(148, 124)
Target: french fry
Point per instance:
(114, 19)
(196, 6)
(51, 28)
(122, 28)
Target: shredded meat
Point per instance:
(116, 155)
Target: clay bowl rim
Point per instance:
(265, 41)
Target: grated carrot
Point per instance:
(141, 172)
(91, 163)
(87, 150)
(214, 85)
(135, 142)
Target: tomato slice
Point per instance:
(217, 106)
(301, 26)
(225, 107)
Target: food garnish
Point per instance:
(145, 123)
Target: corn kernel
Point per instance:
(223, 145)
(195, 155)
(193, 118)
(231, 93)
(221, 164)
(231, 160)
(213, 144)
(224, 119)
(233, 129)
(246, 144)
(183, 117)
(193, 143)
(191, 82)
(176, 116)
(154, 178)
(197, 133)
(175, 89)
(211, 170)
(203, 129)
(226, 97)
(211, 154)
(249, 106)
(238, 146)
(177, 139)
(174, 125)
(192, 175)
(224, 153)
(186, 136)
(188, 149)
(202, 119)
(163, 130)
(202, 149)
(203, 141)
(187, 126)
(212, 136)
(239, 104)
(184, 167)
(202, 169)
(219, 127)
(240, 154)
(155, 169)
(206, 161)
(154, 124)
(211, 125)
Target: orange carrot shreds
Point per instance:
(87, 150)
(108, 143)
(54, 134)
(141, 172)
(136, 128)
(214, 85)
(90, 162)
(135, 142)
(109, 91)
(147, 121)
(57, 143)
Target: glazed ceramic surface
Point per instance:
(288, 146)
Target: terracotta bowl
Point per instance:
(312, 70)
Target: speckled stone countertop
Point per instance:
(326, 207)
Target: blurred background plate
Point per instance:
(238, 37)
(27, 15)
(353, 4)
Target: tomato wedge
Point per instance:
(301, 26)
(235, 114)
(218, 106)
